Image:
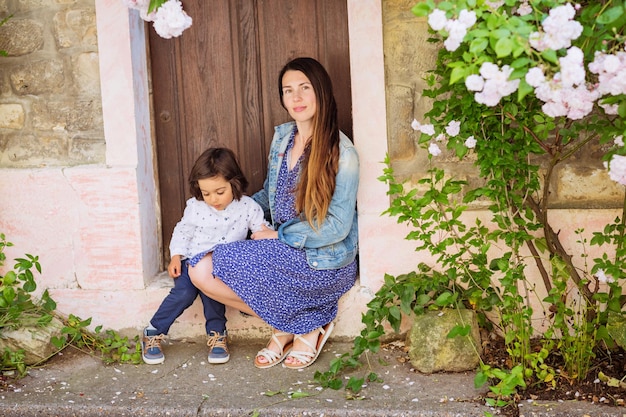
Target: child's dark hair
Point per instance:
(217, 162)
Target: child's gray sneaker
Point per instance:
(151, 351)
(218, 348)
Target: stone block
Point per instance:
(430, 350)
(38, 77)
(85, 150)
(401, 136)
(21, 37)
(75, 27)
(11, 116)
(580, 180)
(70, 115)
(34, 340)
(86, 71)
(34, 151)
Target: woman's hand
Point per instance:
(264, 233)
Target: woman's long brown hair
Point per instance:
(321, 157)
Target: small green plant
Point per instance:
(17, 306)
(108, 345)
(18, 309)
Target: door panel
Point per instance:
(216, 85)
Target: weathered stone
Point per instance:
(70, 115)
(11, 116)
(430, 350)
(34, 151)
(38, 77)
(401, 137)
(87, 73)
(85, 150)
(36, 341)
(75, 27)
(21, 37)
(32, 5)
(616, 326)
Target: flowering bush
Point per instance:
(167, 16)
(521, 86)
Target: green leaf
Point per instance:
(610, 15)
(300, 394)
(480, 379)
(457, 74)
(421, 9)
(523, 90)
(29, 286)
(335, 384)
(478, 45)
(550, 56)
(9, 278)
(503, 47)
(459, 330)
(355, 384)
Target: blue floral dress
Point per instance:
(275, 279)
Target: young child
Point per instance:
(217, 213)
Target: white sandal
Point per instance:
(273, 358)
(307, 358)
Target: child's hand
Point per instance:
(174, 267)
(264, 233)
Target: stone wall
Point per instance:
(580, 184)
(50, 102)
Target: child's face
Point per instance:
(216, 192)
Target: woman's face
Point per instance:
(298, 96)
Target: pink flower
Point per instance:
(437, 19)
(474, 82)
(171, 20)
(535, 77)
(603, 277)
(617, 169)
(467, 19)
(434, 150)
(524, 9)
(453, 128)
(426, 129)
(559, 29)
(497, 84)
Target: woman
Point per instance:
(293, 276)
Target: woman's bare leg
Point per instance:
(311, 337)
(202, 277)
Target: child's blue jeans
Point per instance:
(180, 298)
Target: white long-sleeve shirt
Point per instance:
(202, 227)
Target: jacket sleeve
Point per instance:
(338, 220)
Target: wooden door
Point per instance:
(217, 84)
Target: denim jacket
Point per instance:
(335, 243)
